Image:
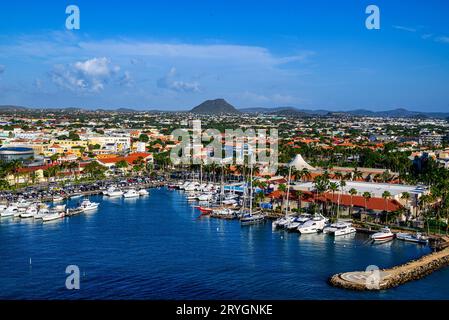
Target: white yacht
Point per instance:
(87, 205)
(22, 203)
(339, 229)
(297, 222)
(30, 212)
(10, 211)
(143, 192)
(252, 218)
(131, 193)
(58, 198)
(417, 237)
(314, 225)
(3, 207)
(205, 197)
(41, 213)
(53, 216)
(383, 235)
(113, 192)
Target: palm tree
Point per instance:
(366, 196)
(386, 195)
(352, 192)
(333, 187)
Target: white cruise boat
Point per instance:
(251, 218)
(30, 212)
(113, 192)
(205, 197)
(417, 237)
(42, 213)
(131, 193)
(10, 211)
(22, 203)
(383, 235)
(297, 222)
(339, 229)
(143, 192)
(58, 199)
(53, 216)
(87, 205)
(314, 225)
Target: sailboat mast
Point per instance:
(288, 189)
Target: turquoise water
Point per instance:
(156, 248)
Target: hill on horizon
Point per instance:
(217, 106)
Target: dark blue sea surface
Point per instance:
(155, 247)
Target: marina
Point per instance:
(166, 264)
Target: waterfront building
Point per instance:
(11, 153)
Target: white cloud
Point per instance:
(442, 39)
(169, 82)
(408, 29)
(89, 76)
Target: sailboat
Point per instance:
(249, 217)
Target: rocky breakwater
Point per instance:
(375, 279)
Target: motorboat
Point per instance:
(58, 199)
(42, 213)
(131, 193)
(143, 192)
(3, 207)
(297, 222)
(314, 225)
(22, 203)
(205, 210)
(113, 192)
(417, 237)
(252, 218)
(384, 234)
(339, 229)
(87, 205)
(10, 211)
(76, 195)
(53, 216)
(205, 197)
(30, 212)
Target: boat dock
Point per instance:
(393, 277)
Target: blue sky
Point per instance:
(172, 55)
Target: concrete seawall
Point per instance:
(389, 278)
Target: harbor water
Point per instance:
(156, 247)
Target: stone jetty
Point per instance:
(389, 278)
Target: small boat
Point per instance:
(42, 213)
(143, 192)
(76, 195)
(53, 216)
(113, 192)
(250, 218)
(131, 193)
(297, 222)
(30, 212)
(314, 225)
(10, 211)
(87, 205)
(383, 235)
(22, 203)
(339, 229)
(58, 199)
(205, 197)
(417, 237)
(205, 210)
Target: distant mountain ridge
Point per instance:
(221, 106)
(394, 113)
